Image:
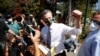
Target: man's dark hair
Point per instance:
(96, 13)
(19, 18)
(44, 12)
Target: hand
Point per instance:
(77, 14)
(18, 37)
(35, 39)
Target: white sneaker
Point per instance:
(75, 51)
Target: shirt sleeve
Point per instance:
(96, 48)
(72, 30)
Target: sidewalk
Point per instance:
(72, 53)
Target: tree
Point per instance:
(93, 1)
(7, 6)
(86, 7)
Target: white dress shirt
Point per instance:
(58, 32)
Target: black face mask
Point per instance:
(9, 22)
(97, 22)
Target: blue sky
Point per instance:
(98, 5)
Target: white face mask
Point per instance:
(93, 26)
(10, 20)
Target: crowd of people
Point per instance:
(21, 35)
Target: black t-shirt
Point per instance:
(3, 29)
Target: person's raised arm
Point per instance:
(77, 16)
(35, 40)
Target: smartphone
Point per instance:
(29, 29)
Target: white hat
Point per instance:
(30, 15)
(58, 12)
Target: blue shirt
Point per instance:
(91, 45)
(14, 27)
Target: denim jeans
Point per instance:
(69, 42)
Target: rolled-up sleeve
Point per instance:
(77, 31)
(72, 30)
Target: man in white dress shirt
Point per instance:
(59, 30)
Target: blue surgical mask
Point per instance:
(93, 26)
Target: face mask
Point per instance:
(97, 22)
(49, 21)
(93, 26)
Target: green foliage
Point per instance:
(8, 5)
(93, 1)
(81, 5)
(62, 6)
